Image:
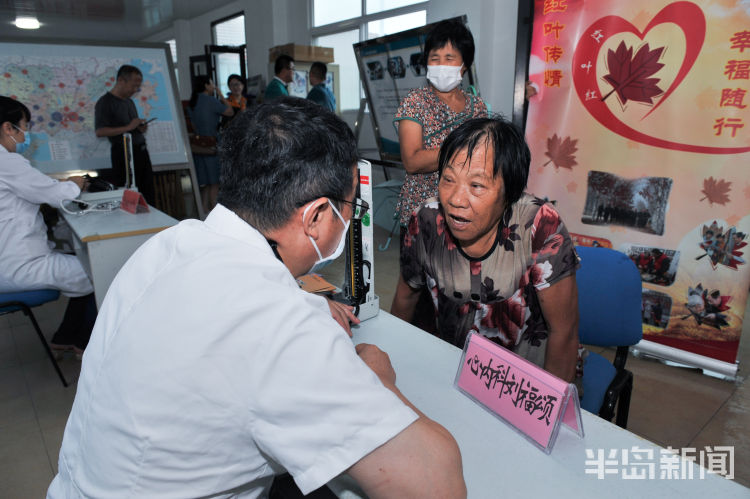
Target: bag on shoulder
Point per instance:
(203, 144)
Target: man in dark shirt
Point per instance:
(116, 115)
(319, 93)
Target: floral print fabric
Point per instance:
(494, 295)
(423, 106)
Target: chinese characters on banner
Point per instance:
(639, 135)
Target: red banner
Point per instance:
(638, 133)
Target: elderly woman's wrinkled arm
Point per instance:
(405, 300)
(559, 304)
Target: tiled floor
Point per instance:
(671, 406)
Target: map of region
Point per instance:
(61, 93)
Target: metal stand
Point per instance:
(127, 142)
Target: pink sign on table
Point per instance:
(533, 401)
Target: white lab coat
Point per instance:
(209, 369)
(26, 260)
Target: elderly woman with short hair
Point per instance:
(497, 261)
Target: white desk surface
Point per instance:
(498, 462)
(103, 241)
(96, 226)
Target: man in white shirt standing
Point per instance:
(209, 371)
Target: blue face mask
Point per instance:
(23, 146)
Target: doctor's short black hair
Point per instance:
(282, 155)
(511, 154)
(455, 32)
(13, 111)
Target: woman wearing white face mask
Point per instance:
(425, 118)
(26, 261)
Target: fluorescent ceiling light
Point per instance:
(27, 22)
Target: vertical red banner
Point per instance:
(640, 133)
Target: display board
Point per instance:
(390, 66)
(61, 82)
(638, 134)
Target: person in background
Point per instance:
(115, 114)
(236, 97)
(210, 371)
(319, 93)
(283, 68)
(26, 261)
(205, 112)
(497, 261)
(424, 119)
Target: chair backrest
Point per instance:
(609, 298)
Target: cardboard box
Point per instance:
(302, 53)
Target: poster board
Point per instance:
(60, 82)
(389, 67)
(638, 133)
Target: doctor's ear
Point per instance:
(312, 214)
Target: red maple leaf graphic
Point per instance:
(561, 152)
(716, 190)
(629, 76)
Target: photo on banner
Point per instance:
(640, 135)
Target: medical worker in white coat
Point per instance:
(26, 260)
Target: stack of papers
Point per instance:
(313, 283)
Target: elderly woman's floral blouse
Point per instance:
(423, 106)
(494, 295)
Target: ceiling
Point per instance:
(127, 20)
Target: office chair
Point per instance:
(609, 305)
(24, 301)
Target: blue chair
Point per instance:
(609, 305)
(24, 301)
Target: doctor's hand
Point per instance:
(378, 361)
(78, 180)
(343, 314)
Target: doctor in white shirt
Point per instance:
(26, 261)
(210, 371)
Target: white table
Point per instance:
(497, 462)
(103, 241)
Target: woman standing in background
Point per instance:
(205, 111)
(425, 118)
(236, 97)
